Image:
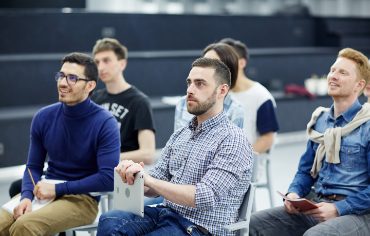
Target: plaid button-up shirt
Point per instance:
(215, 157)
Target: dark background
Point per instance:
(284, 50)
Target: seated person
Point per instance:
(128, 105)
(232, 108)
(336, 162)
(204, 170)
(260, 121)
(81, 141)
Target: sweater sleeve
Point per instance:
(36, 158)
(107, 154)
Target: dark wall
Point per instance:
(14, 135)
(14, 140)
(53, 31)
(48, 32)
(160, 76)
(30, 80)
(280, 67)
(283, 50)
(343, 32)
(37, 4)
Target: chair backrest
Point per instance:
(261, 175)
(245, 210)
(260, 166)
(255, 167)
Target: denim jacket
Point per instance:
(351, 177)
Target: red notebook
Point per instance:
(302, 204)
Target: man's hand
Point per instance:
(127, 170)
(44, 191)
(24, 206)
(289, 206)
(325, 211)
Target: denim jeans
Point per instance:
(157, 220)
(277, 221)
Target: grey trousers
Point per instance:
(276, 221)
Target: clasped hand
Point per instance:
(127, 170)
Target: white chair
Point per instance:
(262, 164)
(245, 212)
(105, 204)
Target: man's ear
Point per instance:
(361, 85)
(123, 64)
(91, 85)
(224, 89)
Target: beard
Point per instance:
(203, 107)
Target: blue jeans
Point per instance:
(277, 221)
(158, 220)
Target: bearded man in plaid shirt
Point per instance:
(204, 169)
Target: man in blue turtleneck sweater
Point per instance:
(82, 143)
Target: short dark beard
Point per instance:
(205, 106)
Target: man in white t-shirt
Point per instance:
(260, 121)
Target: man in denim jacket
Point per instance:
(336, 163)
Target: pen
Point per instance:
(33, 181)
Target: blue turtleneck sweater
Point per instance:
(82, 144)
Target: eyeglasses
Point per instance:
(71, 79)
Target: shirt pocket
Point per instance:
(350, 157)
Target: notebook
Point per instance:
(129, 198)
(36, 204)
(302, 204)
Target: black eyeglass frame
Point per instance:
(71, 78)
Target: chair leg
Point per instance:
(244, 232)
(67, 233)
(269, 183)
(254, 206)
(92, 233)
